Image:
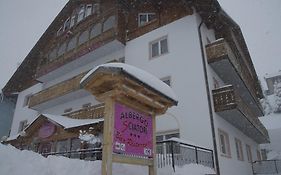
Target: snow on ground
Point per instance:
(16, 162)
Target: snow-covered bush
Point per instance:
(277, 96)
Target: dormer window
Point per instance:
(81, 13)
(88, 10)
(145, 18)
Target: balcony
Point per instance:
(92, 112)
(61, 92)
(230, 106)
(109, 39)
(233, 69)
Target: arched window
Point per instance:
(83, 37)
(72, 43)
(96, 30)
(62, 49)
(109, 23)
(53, 54)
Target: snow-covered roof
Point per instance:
(13, 137)
(141, 75)
(67, 122)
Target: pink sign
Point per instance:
(132, 132)
(46, 130)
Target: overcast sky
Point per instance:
(24, 21)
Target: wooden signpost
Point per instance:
(129, 120)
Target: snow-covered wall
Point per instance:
(183, 64)
(22, 112)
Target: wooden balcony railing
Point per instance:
(221, 50)
(115, 33)
(92, 112)
(57, 90)
(227, 99)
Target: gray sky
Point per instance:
(24, 21)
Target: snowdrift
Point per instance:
(17, 162)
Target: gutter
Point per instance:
(209, 99)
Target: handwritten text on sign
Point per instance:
(132, 132)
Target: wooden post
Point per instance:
(152, 170)
(107, 142)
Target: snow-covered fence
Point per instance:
(267, 167)
(174, 153)
(86, 154)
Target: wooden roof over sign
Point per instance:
(123, 84)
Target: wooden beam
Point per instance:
(119, 158)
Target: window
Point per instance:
(61, 49)
(166, 147)
(72, 43)
(263, 154)
(62, 146)
(26, 100)
(239, 149)
(66, 24)
(75, 145)
(81, 13)
(158, 47)
(88, 10)
(72, 20)
(83, 37)
(167, 80)
(59, 31)
(258, 155)
(249, 153)
(109, 23)
(96, 30)
(224, 144)
(144, 18)
(23, 124)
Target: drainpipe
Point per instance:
(209, 98)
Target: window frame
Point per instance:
(146, 18)
(226, 142)
(22, 125)
(239, 149)
(249, 153)
(158, 41)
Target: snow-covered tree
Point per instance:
(267, 109)
(277, 96)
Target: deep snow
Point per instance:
(17, 162)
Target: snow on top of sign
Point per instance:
(139, 74)
(69, 122)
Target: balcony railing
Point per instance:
(232, 107)
(174, 153)
(55, 91)
(266, 167)
(116, 32)
(233, 69)
(92, 112)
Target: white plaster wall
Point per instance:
(183, 64)
(233, 166)
(23, 112)
(229, 166)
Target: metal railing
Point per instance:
(85, 154)
(266, 167)
(173, 153)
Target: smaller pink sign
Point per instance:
(132, 132)
(46, 130)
